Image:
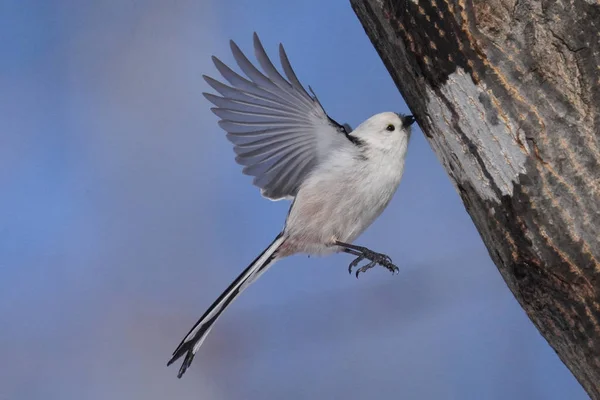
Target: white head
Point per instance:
(387, 131)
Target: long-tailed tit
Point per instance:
(339, 180)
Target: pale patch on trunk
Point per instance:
(494, 137)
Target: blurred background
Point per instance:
(123, 216)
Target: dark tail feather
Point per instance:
(195, 337)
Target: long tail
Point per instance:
(194, 339)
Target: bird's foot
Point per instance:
(374, 259)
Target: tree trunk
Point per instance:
(507, 93)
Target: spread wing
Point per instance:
(279, 131)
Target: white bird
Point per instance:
(339, 180)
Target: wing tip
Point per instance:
(221, 123)
(234, 47)
(256, 42)
(212, 82)
(240, 159)
(217, 61)
(220, 65)
(208, 96)
(215, 110)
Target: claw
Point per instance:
(391, 267)
(355, 263)
(374, 259)
(365, 268)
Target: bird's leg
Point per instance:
(362, 253)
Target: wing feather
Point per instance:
(279, 131)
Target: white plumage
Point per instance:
(340, 180)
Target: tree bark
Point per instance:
(507, 93)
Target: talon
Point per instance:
(355, 263)
(373, 257)
(365, 268)
(392, 268)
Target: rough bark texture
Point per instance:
(508, 94)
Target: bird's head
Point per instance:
(385, 131)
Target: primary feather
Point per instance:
(280, 132)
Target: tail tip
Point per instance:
(187, 361)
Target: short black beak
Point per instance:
(408, 120)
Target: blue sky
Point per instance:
(123, 215)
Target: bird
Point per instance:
(338, 179)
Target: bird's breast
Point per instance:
(339, 201)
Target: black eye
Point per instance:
(390, 127)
